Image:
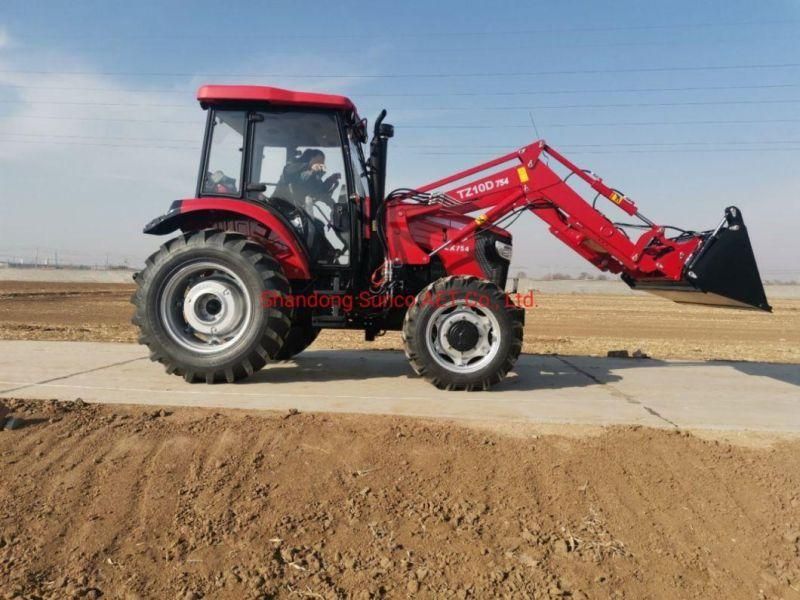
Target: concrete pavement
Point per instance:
(543, 389)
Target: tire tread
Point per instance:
(421, 366)
(270, 271)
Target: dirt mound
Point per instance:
(120, 503)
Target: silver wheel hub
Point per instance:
(213, 307)
(205, 307)
(463, 337)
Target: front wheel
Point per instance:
(200, 310)
(462, 333)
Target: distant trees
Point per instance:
(557, 276)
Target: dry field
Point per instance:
(191, 503)
(570, 324)
(121, 502)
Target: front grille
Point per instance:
(494, 267)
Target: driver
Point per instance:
(302, 181)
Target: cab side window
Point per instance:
(297, 160)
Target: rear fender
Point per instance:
(255, 221)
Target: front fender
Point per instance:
(226, 213)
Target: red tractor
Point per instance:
(291, 231)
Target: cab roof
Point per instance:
(213, 94)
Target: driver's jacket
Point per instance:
(298, 182)
(301, 187)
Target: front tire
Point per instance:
(200, 306)
(462, 333)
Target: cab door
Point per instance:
(299, 168)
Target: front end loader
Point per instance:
(714, 267)
(290, 231)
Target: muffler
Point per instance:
(721, 272)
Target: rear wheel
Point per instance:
(463, 334)
(199, 306)
(300, 336)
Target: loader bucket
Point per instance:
(722, 272)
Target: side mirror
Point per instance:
(256, 187)
(385, 130)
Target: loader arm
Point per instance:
(714, 267)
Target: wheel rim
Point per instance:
(463, 337)
(205, 307)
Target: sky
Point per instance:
(687, 107)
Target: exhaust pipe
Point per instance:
(721, 272)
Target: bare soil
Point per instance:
(569, 324)
(66, 311)
(190, 503)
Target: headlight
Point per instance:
(503, 249)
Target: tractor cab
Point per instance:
(297, 155)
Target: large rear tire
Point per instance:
(301, 335)
(200, 306)
(463, 333)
